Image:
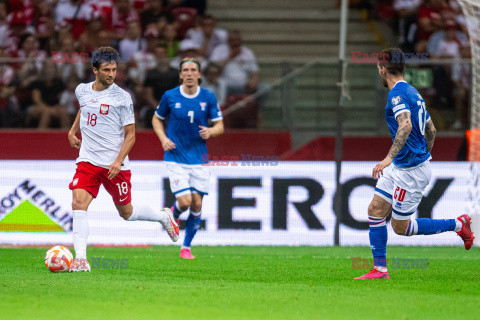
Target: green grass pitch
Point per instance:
(242, 283)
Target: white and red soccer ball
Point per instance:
(58, 259)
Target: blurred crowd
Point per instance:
(46, 46)
(438, 28)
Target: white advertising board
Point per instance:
(249, 203)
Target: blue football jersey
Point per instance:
(405, 98)
(185, 114)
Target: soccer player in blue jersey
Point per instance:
(188, 108)
(400, 186)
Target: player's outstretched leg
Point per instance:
(145, 213)
(80, 235)
(377, 212)
(191, 227)
(425, 226)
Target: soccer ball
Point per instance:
(58, 259)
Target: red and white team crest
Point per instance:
(203, 105)
(75, 181)
(104, 108)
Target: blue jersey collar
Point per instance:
(189, 96)
(398, 82)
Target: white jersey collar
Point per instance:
(189, 96)
(90, 87)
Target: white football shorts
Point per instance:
(188, 178)
(404, 188)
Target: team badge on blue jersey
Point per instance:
(396, 100)
(203, 105)
(178, 105)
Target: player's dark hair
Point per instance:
(194, 60)
(105, 54)
(393, 60)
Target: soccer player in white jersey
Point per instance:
(188, 107)
(107, 126)
(400, 186)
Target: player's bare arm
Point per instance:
(72, 138)
(430, 133)
(159, 129)
(214, 131)
(404, 129)
(127, 145)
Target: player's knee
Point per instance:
(185, 203)
(374, 210)
(196, 206)
(79, 204)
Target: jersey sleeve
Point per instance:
(126, 111)
(78, 91)
(214, 112)
(162, 109)
(398, 103)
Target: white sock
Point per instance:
(80, 233)
(381, 269)
(146, 213)
(458, 225)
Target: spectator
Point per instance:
(116, 19)
(154, 15)
(207, 37)
(170, 37)
(188, 48)
(73, 13)
(44, 23)
(68, 99)
(429, 21)
(407, 22)
(46, 98)
(69, 62)
(132, 43)
(214, 83)
(158, 80)
(199, 5)
(438, 36)
(144, 60)
(10, 114)
(240, 69)
(461, 75)
(449, 47)
(7, 38)
(29, 51)
(94, 36)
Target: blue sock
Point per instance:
(176, 210)
(429, 226)
(378, 240)
(191, 227)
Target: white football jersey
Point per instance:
(103, 116)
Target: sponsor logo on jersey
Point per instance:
(396, 100)
(178, 105)
(104, 108)
(203, 105)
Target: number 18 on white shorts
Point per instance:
(188, 178)
(404, 188)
